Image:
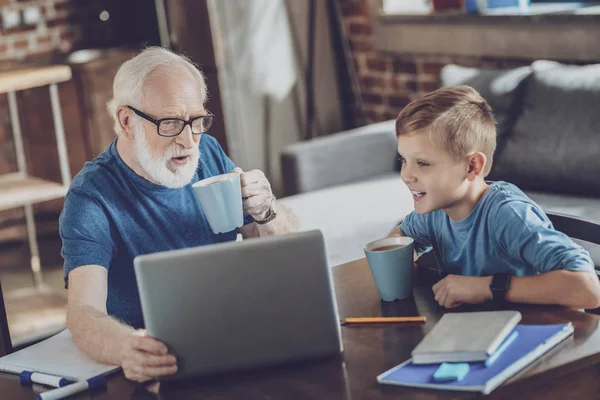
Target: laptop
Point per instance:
(241, 305)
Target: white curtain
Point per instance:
(259, 76)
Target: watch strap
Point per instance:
(271, 214)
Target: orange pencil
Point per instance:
(379, 320)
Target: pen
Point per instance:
(28, 377)
(377, 320)
(511, 338)
(59, 393)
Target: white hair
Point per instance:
(130, 78)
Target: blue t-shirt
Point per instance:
(111, 215)
(505, 233)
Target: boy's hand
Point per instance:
(454, 290)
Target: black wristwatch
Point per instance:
(499, 286)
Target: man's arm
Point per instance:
(256, 190)
(576, 289)
(284, 222)
(105, 339)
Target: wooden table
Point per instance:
(570, 370)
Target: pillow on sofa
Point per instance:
(503, 90)
(555, 144)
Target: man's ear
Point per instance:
(125, 122)
(476, 165)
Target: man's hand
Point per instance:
(454, 290)
(256, 191)
(144, 358)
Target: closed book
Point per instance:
(531, 343)
(465, 337)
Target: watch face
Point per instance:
(501, 282)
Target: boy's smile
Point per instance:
(435, 179)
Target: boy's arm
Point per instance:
(576, 289)
(562, 272)
(396, 232)
(565, 270)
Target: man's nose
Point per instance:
(186, 138)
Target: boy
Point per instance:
(491, 240)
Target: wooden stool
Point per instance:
(34, 313)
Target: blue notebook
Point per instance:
(532, 342)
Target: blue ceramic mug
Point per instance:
(391, 261)
(221, 200)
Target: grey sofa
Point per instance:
(348, 184)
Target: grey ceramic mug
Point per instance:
(392, 266)
(221, 200)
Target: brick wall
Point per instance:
(389, 82)
(53, 33)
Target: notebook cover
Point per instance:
(57, 355)
(465, 337)
(533, 341)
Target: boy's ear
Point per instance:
(476, 165)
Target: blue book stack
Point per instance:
(531, 342)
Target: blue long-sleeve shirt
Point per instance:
(506, 232)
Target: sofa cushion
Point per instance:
(501, 88)
(578, 206)
(555, 144)
(352, 215)
(343, 157)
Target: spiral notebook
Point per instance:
(57, 355)
(532, 342)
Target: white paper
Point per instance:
(58, 356)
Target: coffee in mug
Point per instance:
(389, 247)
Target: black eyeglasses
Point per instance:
(174, 126)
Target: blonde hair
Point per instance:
(458, 116)
(129, 81)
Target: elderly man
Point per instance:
(136, 198)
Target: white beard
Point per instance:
(155, 166)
